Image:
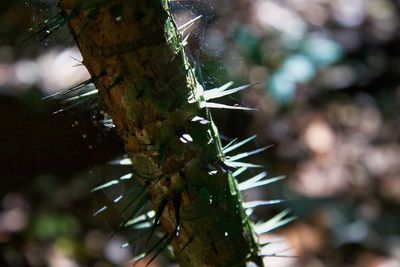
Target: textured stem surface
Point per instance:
(133, 51)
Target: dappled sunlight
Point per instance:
(327, 93)
(55, 70)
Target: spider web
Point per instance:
(208, 66)
(42, 10)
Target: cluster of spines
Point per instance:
(148, 222)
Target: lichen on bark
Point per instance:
(133, 50)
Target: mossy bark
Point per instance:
(134, 51)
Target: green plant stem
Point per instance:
(134, 51)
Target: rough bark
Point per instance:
(133, 50)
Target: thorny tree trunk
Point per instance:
(133, 50)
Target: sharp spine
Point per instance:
(72, 89)
(253, 184)
(188, 24)
(258, 203)
(241, 143)
(247, 154)
(205, 104)
(218, 92)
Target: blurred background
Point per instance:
(328, 99)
